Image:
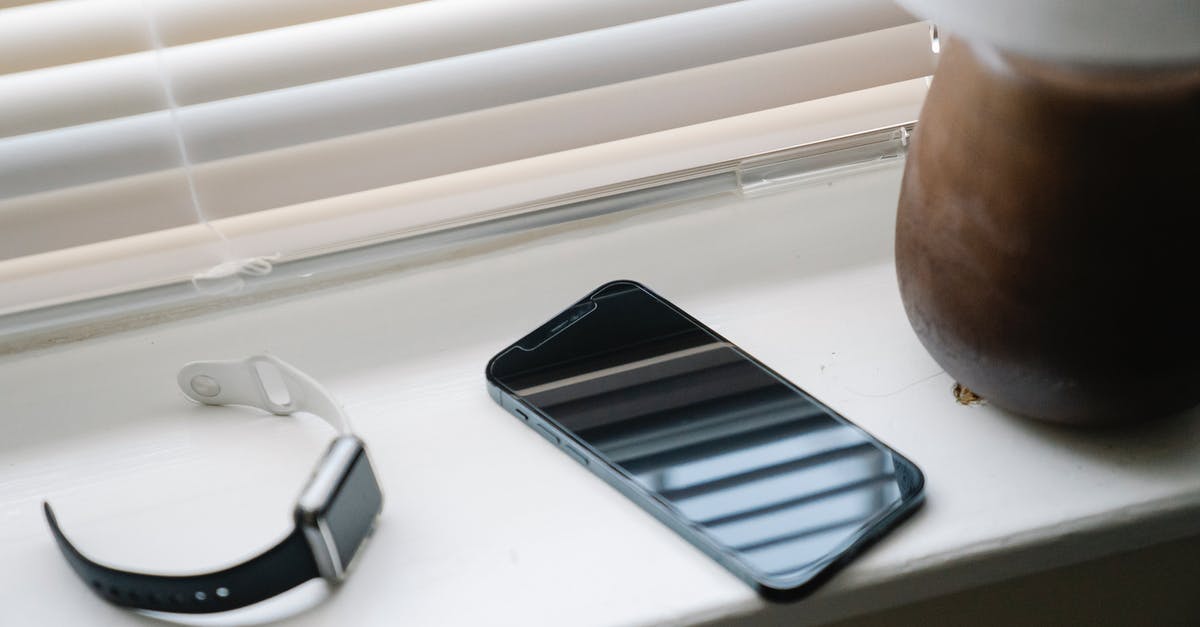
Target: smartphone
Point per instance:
(749, 468)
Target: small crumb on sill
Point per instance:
(965, 396)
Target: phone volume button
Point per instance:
(576, 455)
(546, 432)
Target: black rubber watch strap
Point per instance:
(281, 568)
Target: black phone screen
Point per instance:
(781, 483)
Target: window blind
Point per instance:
(178, 137)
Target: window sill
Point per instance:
(485, 523)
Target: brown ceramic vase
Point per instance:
(1048, 235)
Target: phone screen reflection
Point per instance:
(752, 463)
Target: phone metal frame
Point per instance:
(772, 588)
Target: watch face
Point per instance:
(352, 510)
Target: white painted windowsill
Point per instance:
(487, 524)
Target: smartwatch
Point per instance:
(334, 515)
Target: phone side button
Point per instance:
(576, 455)
(546, 432)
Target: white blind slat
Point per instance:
(187, 21)
(344, 165)
(5, 4)
(158, 258)
(107, 88)
(407, 35)
(260, 112)
(35, 35)
(78, 155)
(370, 216)
(95, 213)
(403, 95)
(538, 69)
(270, 179)
(80, 93)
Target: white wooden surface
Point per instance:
(484, 522)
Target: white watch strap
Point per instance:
(262, 381)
